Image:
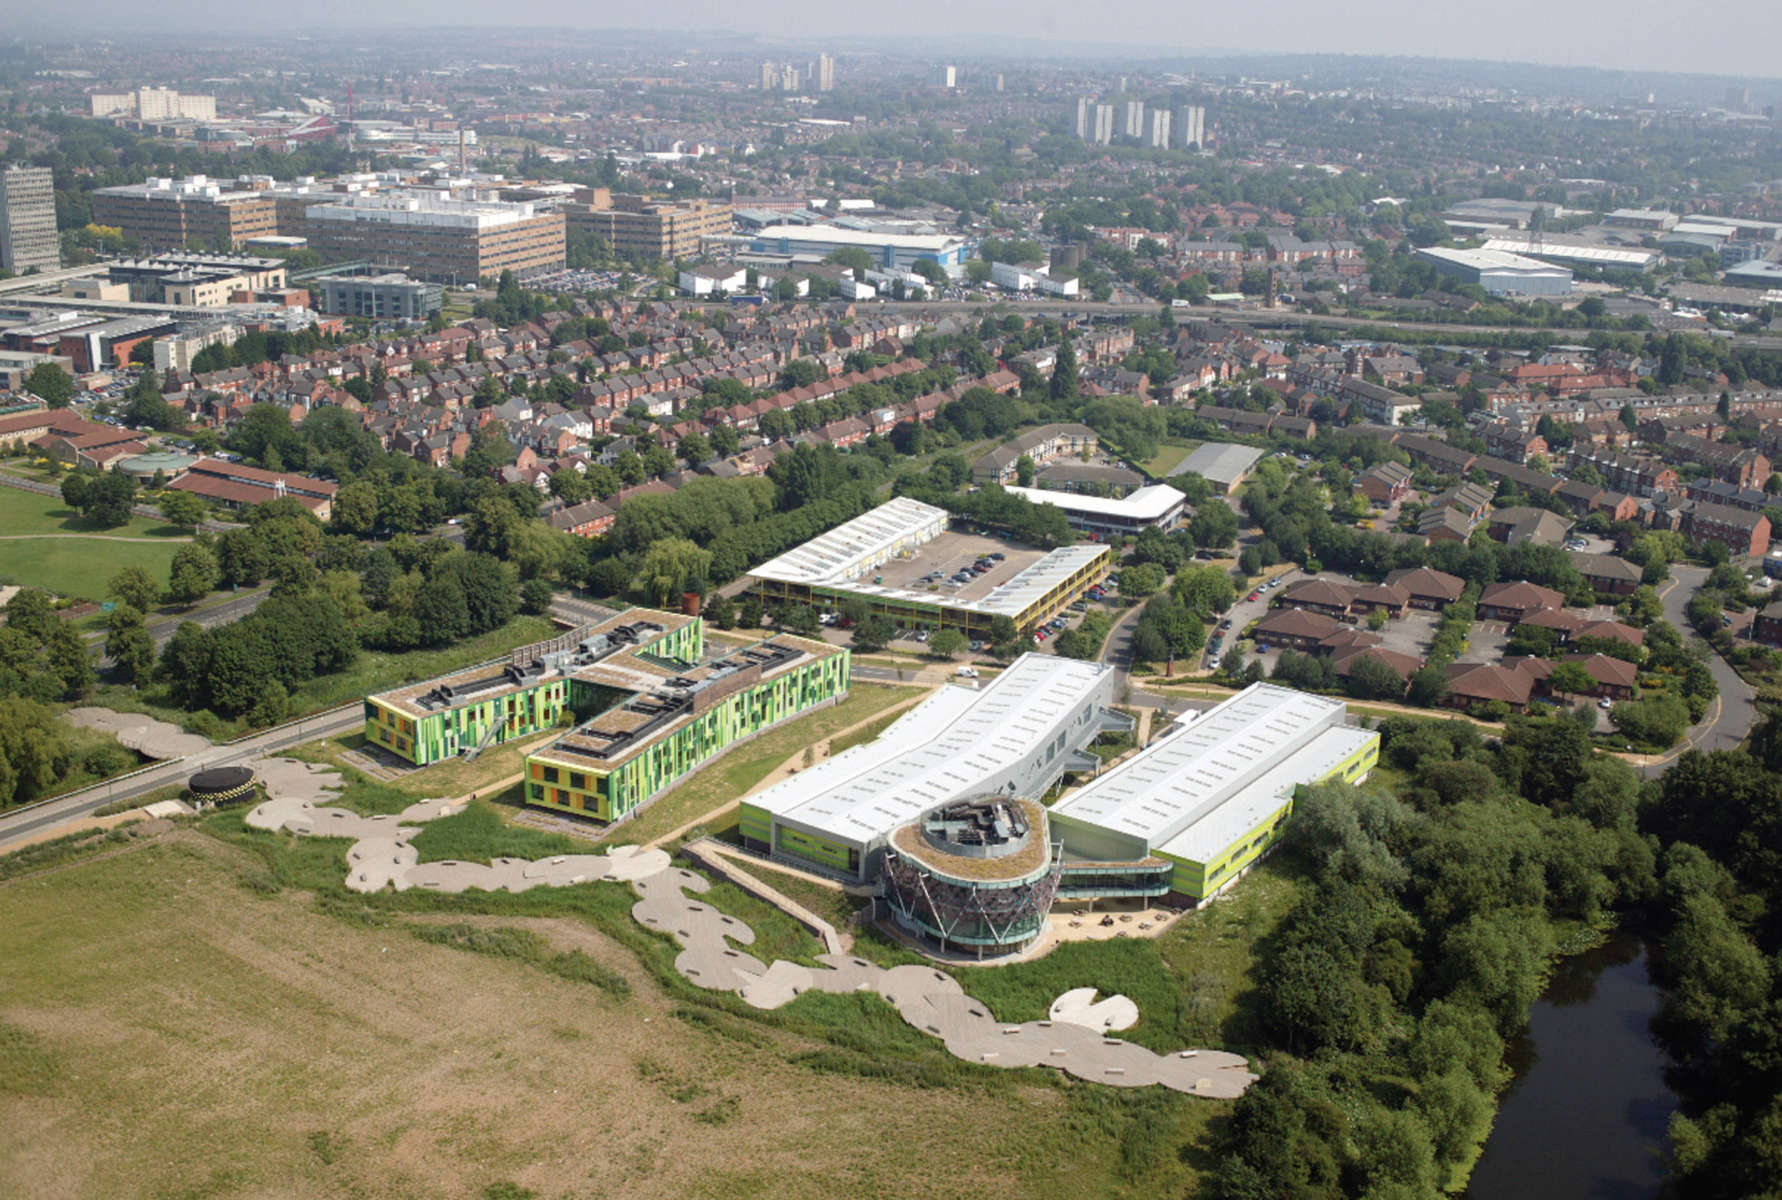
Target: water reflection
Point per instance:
(1587, 1112)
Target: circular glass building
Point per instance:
(975, 875)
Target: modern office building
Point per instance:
(392, 296)
(813, 243)
(1015, 736)
(197, 280)
(945, 77)
(850, 563)
(824, 75)
(1211, 795)
(170, 214)
(664, 715)
(28, 237)
(642, 228)
(657, 705)
(1158, 506)
(437, 238)
(976, 875)
(1500, 273)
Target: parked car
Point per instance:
(1605, 703)
(967, 672)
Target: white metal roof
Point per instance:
(839, 558)
(1208, 758)
(1489, 260)
(838, 236)
(1145, 504)
(853, 546)
(953, 744)
(1209, 837)
(1221, 462)
(1570, 249)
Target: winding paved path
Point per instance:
(1075, 1039)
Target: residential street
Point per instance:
(1731, 716)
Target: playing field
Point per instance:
(45, 544)
(173, 1023)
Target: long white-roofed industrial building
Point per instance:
(1499, 272)
(1016, 736)
(1211, 795)
(903, 561)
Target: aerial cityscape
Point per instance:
(675, 610)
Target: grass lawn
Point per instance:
(53, 547)
(204, 1031)
(374, 671)
(732, 775)
(453, 777)
(1170, 455)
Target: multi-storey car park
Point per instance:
(1177, 822)
(879, 558)
(654, 705)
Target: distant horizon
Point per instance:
(1638, 37)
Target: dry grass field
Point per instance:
(174, 1022)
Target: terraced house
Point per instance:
(655, 704)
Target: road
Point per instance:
(1731, 715)
(17, 826)
(1265, 317)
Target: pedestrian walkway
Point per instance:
(383, 856)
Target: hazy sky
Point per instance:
(1738, 37)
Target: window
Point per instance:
(578, 780)
(550, 774)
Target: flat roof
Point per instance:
(1146, 504)
(1220, 462)
(838, 559)
(1206, 760)
(616, 666)
(1571, 249)
(1491, 260)
(946, 748)
(1209, 836)
(853, 546)
(835, 234)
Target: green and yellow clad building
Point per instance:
(652, 705)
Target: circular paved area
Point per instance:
(146, 735)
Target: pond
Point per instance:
(1585, 1117)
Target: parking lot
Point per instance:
(935, 565)
(1246, 610)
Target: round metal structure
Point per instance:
(975, 875)
(222, 785)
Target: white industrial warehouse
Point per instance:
(1184, 817)
(1015, 736)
